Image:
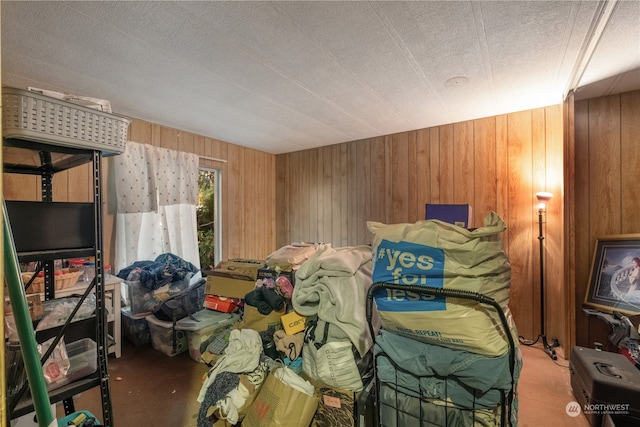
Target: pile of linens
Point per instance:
(437, 360)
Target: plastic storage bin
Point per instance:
(203, 328)
(36, 117)
(84, 418)
(144, 301)
(83, 361)
(163, 336)
(135, 328)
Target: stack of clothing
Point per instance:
(233, 382)
(331, 290)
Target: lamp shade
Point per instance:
(544, 196)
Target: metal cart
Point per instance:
(404, 397)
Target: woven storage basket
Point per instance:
(62, 281)
(36, 117)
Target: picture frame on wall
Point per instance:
(614, 282)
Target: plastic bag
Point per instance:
(56, 367)
(57, 311)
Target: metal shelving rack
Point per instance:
(45, 231)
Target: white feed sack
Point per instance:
(441, 255)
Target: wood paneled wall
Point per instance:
(248, 188)
(497, 163)
(607, 199)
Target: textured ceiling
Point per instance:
(286, 76)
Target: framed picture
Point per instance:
(614, 283)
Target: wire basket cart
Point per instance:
(411, 389)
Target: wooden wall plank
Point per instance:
(305, 194)
(605, 183)
(352, 218)
(140, 131)
(21, 187)
(60, 187)
(556, 322)
(604, 165)
(268, 223)
(447, 168)
(412, 178)
(568, 118)
(388, 179)
(186, 142)
(629, 164)
(249, 179)
(156, 135)
(583, 240)
(344, 195)
(293, 199)
(520, 221)
(485, 178)
(378, 201)
(79, 187)
(234, 224)
(464, 170)
(502, 171)
(539, 183)
(434, 165)
(399, 177)
(168, 138)
(282, 164)
(199, 148)
(327, 199)
(423, 172)
(363, 191)
(311, 172)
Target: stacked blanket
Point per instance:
(333, 285)
(331, 290)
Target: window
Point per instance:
(209, 218)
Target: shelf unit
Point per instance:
(43, 136)
(46, 231)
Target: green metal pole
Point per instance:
(24, 327)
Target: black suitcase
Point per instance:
(604, 383)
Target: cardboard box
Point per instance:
(456, 214)
(236, 268)
(221, 304)
(228, 287)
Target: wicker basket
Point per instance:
(36, 117)
(68, 278)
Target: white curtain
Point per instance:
(157, 196)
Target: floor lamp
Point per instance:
(543, 198)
